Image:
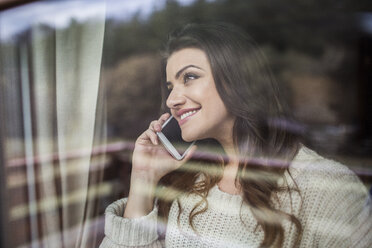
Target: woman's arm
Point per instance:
(133, 221)
(150, 163)
(123, 232)
(348, 218)
(336, 205)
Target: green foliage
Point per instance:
(133, 95)
(306, 26)
(300, 39)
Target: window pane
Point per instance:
(81, 80)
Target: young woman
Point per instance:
(269, 191)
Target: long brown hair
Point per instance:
(249, 92)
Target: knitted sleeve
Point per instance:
(336, 205)
(347, 221)
(122, 232)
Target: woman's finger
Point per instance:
(150, 133)
(161, 121)
(157, 124)
(152, 125)
(146, 137)
(152, 136)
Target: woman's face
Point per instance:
(193, 97)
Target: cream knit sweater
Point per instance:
(336, 212)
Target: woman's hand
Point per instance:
(150, 162)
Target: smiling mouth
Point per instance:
(184, 116)
(187, 114)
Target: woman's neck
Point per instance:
(231, 152)
(228, 182)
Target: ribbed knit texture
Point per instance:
(129, 232)
(336, 212)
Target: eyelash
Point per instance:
(189, 76)
(186, 78)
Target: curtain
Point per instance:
(51, 82)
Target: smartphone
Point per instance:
(171, 138)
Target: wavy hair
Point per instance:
(250, 93)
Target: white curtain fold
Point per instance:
(63, 63)
(43, 55)
(78, 63)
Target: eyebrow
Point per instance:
(178, 74)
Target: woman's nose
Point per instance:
(175, 99)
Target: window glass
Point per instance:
(81, 80)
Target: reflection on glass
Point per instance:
(80, 81)
(51, 53)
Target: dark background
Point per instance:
(320, 50)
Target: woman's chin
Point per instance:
(188, 137)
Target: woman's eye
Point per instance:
(189, 76)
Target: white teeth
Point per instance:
(183, 116)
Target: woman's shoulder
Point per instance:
(309, 165)
(325, 181)
(335, 203)
(319, 178)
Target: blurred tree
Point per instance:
(133, 95)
